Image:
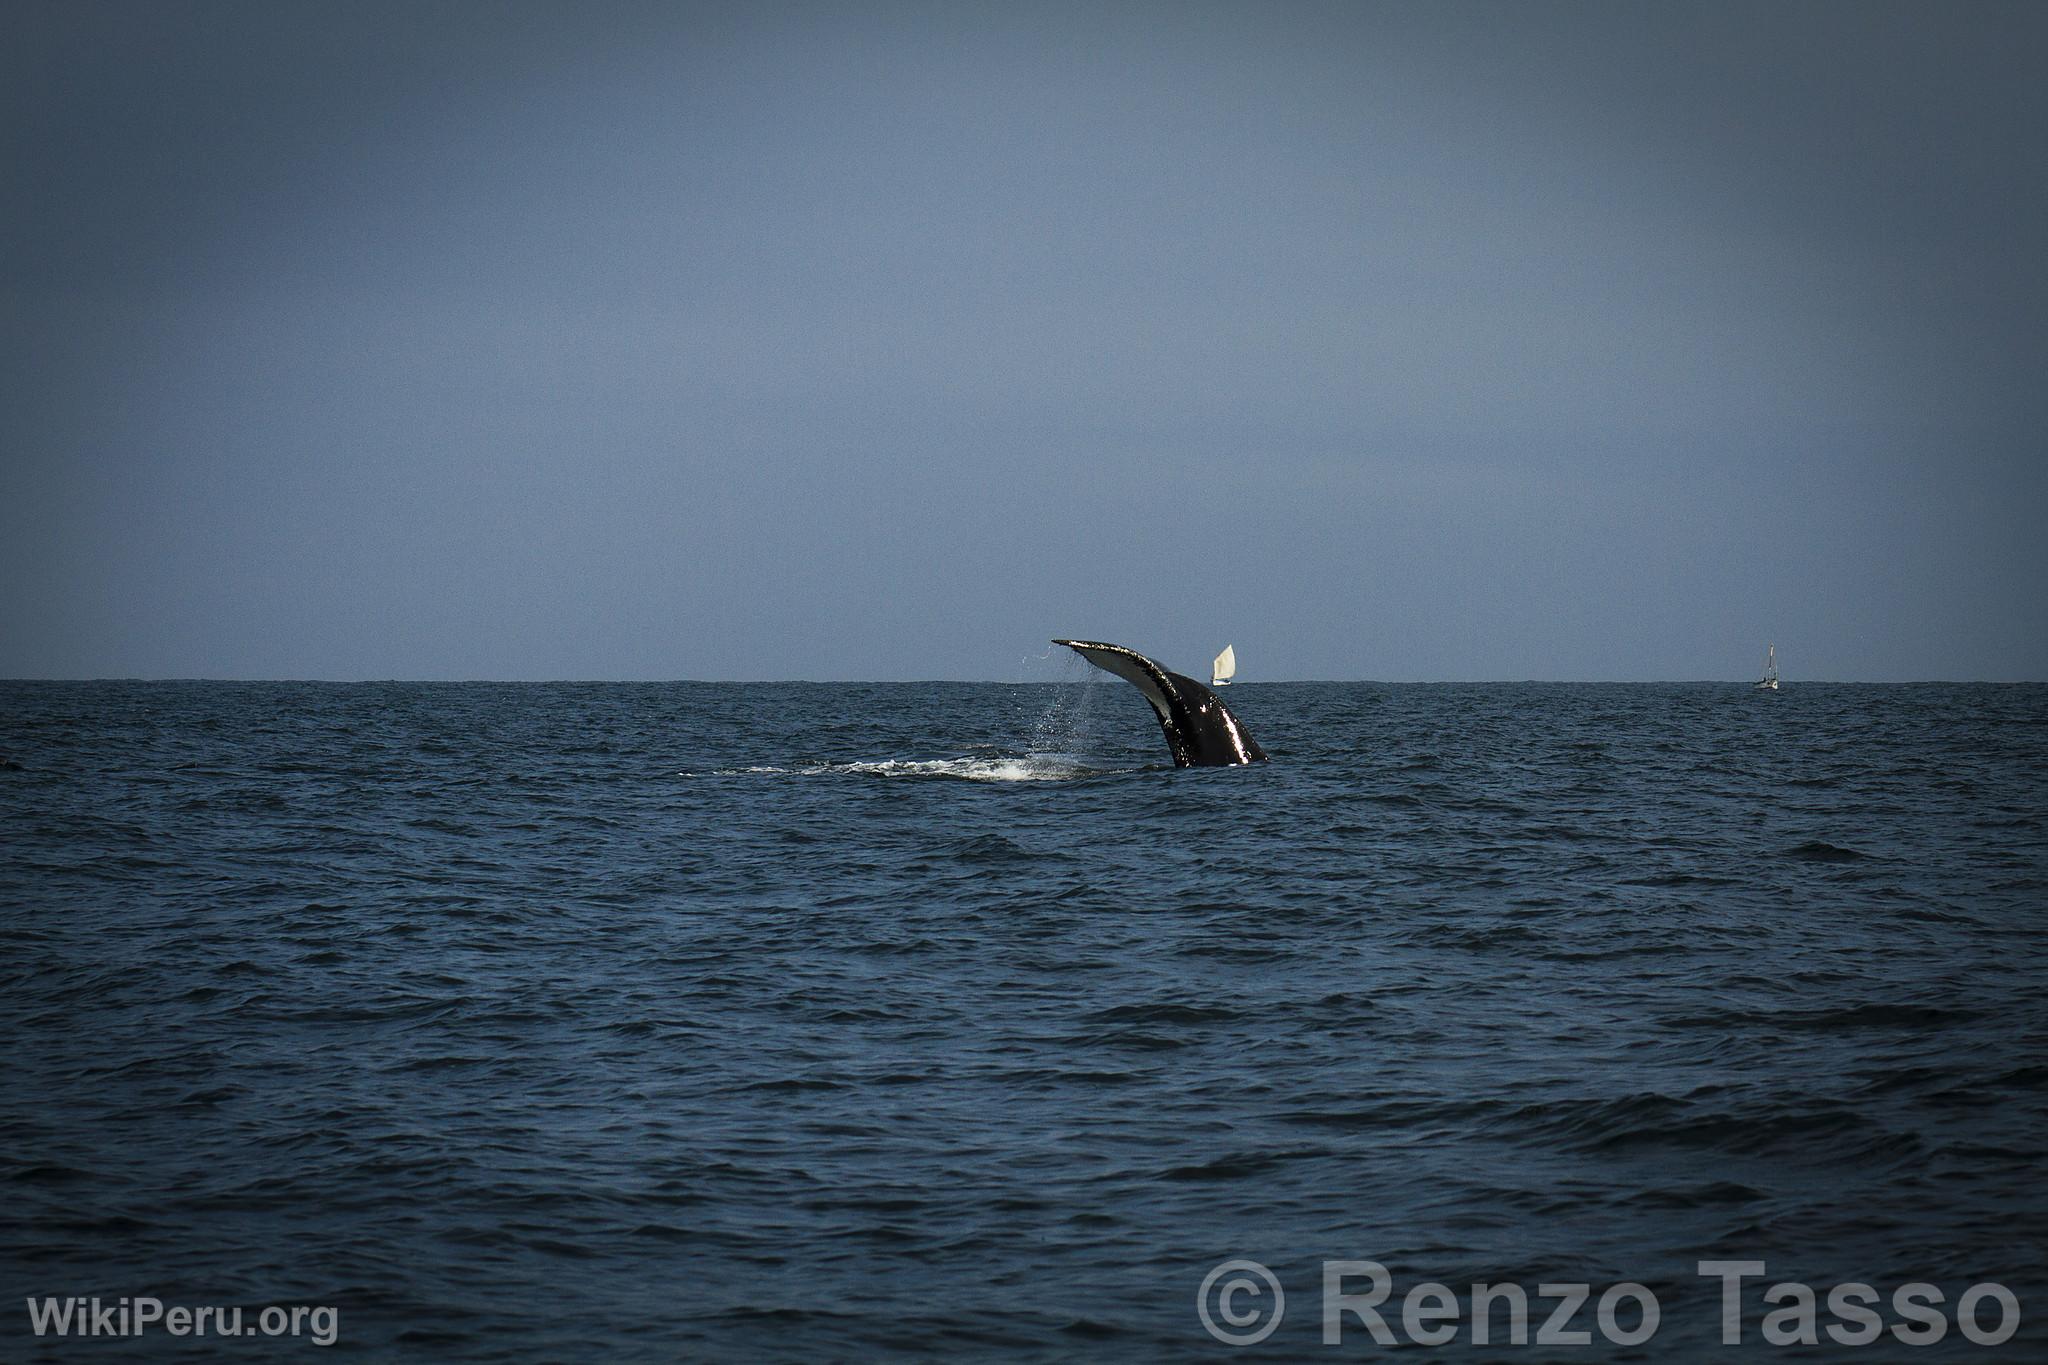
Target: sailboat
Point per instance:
(1224, 669)
(1770, 678)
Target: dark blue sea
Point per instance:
(765, 1022)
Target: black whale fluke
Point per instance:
(1199, 728)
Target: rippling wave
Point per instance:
(805, 1021)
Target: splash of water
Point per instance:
(1064, 728)
(1062, 736)
(1027, 768)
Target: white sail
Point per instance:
(1225, 667)
(1770, 678)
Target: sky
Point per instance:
(885, 341)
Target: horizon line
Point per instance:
(1025, 682)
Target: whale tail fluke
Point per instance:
(1199, 728)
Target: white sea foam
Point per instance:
(1067, 724)
(1024, 768)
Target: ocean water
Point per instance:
(801, 1022)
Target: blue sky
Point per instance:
(1457, 341)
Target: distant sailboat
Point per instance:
(1224, 669)
(1770, 678)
